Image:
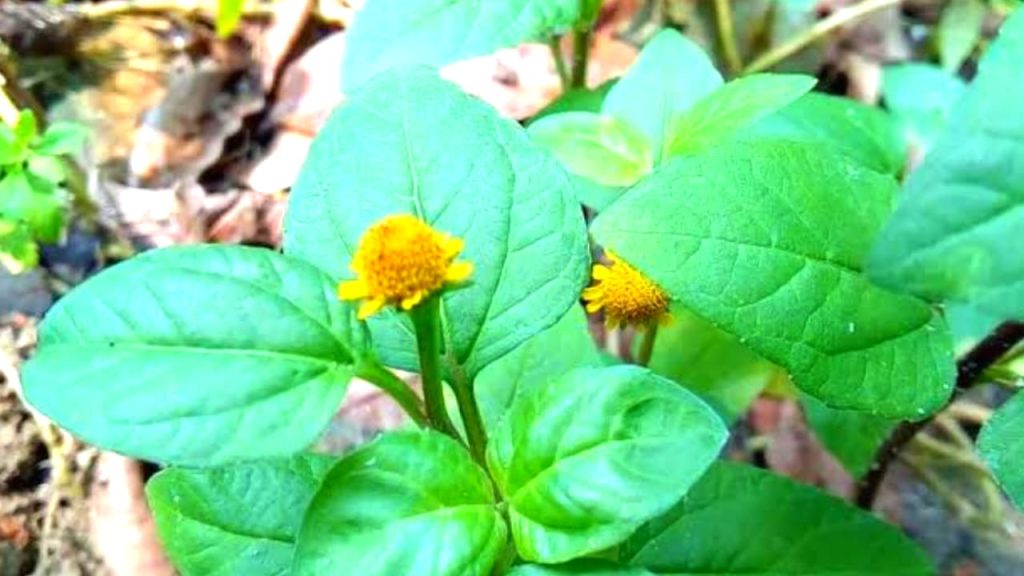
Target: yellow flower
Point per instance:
(400, 261)
(626, 295)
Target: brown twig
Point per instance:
(816, 32)
(969, 368)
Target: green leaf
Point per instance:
(959, 30)
(740, 103)
(1001, 448)
(449, 159)
(548, 355)
(669, 77)
(62, 138)
(865, 134)
(921, 96)
(741, 520)
(238, 520)
(18, 250)
(710, 363)
(587, 567)
(409, 503)
(576, 100)
(747, 237)
(11, 154)
(200, 356)
(595, 196)
(26, 128)
(47, 168)
(603, 149)
(391, 33)
(852, 437)
(949, 237)
(587, 458)
(37, 202)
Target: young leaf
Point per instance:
(1000, 446)
(238, 520)
(559, 349)
(50, 169)
(410, 142)
(198, 356)
(229, 15)
(25, 129)
(600, 148)
(670, 76)
(852, 437)
(865, 134)
(409, 503)
(390, 33)
(587, 458)
(738, 104)
(747, 236)
(740, 520)
(37, 202)
(952, 235)
(959, 30)
(920, 97)
(710, 363)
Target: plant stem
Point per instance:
(426, 318)
(470, 413)
(969, 368)
(580, 53)
(643, 357)
(556, 52)
(727, 36)
(819, 30)
(403, 395)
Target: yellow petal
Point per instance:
(408, 303)
(612, 257)
(594, 306)
(370, 307)
(452, 246)
(600, 272)
(352, 290)
(458, 271)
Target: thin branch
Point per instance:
(988, 352)
(727, 36)
(816, 32)
(969, 369)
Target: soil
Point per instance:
(43, 528)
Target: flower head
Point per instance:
(626, 295)
(400, 261)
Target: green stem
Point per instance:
(580, 53)
(643, 358)
(427, 320)
(393, 386)
(556, 52)
(470, 413)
